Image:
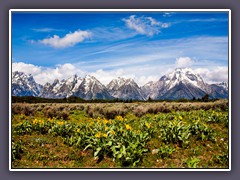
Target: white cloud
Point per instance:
(43, 75)
(141, 74)
(168, 14)
(106, 76)
(153, 21)
(184, 62)
(27, 68)
(213, 75)
(68, 40)
(165, 25)
(144, 25)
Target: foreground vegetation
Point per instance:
(107, 135)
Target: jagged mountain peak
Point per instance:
(184, 75)
(181, 73)
(56, 81)
(125, 88)
(17, 75)
(23, 84)
(92, 88)
(180, 83)
(122, 80)
(90, 77)
(223, 84)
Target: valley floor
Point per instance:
(118, 135)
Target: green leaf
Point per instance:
(119, 155)
(123, 150)
(97, 151)
(109, 143)
(90, 145)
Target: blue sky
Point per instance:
(142, 46)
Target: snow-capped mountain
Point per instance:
(24, 85)
(217, 91)
(223, 84)
(61, 89)
(87, 88)
(125, 89)
(182, 83)
(91, 88)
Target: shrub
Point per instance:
(50, 112)
(63, 115)
(23, 109)
(17, 150)
(110, 113)
(139, 112)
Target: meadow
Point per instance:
(120, 135)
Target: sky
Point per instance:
(139, 45)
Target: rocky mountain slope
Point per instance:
(24, 85)
(181, 83)
(125, 89)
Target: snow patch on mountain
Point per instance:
(24, 85)
(123, 88)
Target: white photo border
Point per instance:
(117, 10)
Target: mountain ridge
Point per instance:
(180, 83)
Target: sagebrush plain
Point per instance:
(120, 135)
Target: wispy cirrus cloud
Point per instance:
(46, 29)
(208, 20)
(111, 33)
(68, 40)
(144, 25)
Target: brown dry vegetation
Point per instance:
(110, 110)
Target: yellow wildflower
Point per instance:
(106, 128)
(98, 135)
(147, 125)
(19, 124)
(120, 118)
(180, 117)
(78, 130)
(104, 135)
(105, 121)
(60, 123)
(50, 120)
(128, 127)
(35, 121)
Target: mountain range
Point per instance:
(181, 83)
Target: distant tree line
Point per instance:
(74, 99)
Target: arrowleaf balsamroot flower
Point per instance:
(120, 118)
(98, 135)
(147, 125)
(128, 127)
